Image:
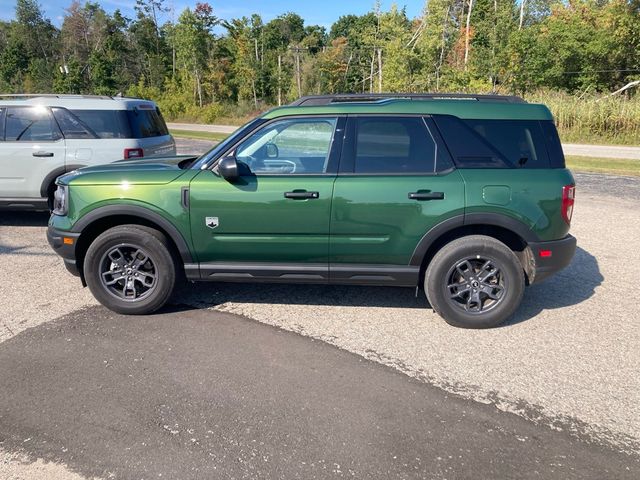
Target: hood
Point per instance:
(149, 171)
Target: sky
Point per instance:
(314, 12)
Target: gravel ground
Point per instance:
(570, 358)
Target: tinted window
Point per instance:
(147, 123)
(106, 123)
(293, 146)
(71, 125)
(393, 145)
(554, 147)
(519, 141)
(468, 148)
(30, 124)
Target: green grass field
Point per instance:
(614, 166)
(215, 137)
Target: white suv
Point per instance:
(45, 136)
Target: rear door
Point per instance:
(273, 223)
(395, 182)
(33, 147)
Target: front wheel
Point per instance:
(474, 282)
(130, 269)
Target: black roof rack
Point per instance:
(68, 96)
(312, 100)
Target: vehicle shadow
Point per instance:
(572, 286)
(24, 219)
(205, 294)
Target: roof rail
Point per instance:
(312, 100)
(57, 95)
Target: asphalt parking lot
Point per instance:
(562, 373)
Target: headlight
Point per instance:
(61, 200)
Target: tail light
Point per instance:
(568, 199)
(133, 153)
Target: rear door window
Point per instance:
(106, 123)
(392, 145)
(30, 124)
(71, 126)
(468, 148)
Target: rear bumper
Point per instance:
(67, 251)
(562, 252)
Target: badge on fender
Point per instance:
(211, 222)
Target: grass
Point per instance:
(615, 166)
(593, 119)
(214, 137)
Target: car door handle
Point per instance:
(301, 195)
(426, 195)
(42, 154)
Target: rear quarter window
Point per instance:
(521, 142)
(147, 123)
(483, 143)
(554, 147)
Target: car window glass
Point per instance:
(147, 123)
(554, 147)
(467, 147)
(106, 123)
(394, 145)
(31, 124)
(520, 141)
(293, 146)
(71, 126)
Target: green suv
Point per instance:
(466, 197)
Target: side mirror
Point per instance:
(228, 168)
(272, 150)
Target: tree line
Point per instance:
(193, 58)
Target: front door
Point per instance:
(395, 183)
(273, 222)
(33, 147)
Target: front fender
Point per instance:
(143, 212)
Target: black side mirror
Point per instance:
(272, 150)
(228, 168)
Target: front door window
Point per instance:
(289, 147)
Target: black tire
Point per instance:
(474, 282)
(51, 190)
(107, 272)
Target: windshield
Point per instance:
(205, 159)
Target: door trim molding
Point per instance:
(23, 203)
(340, 274)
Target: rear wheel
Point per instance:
(475, 282)
(130, 269)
